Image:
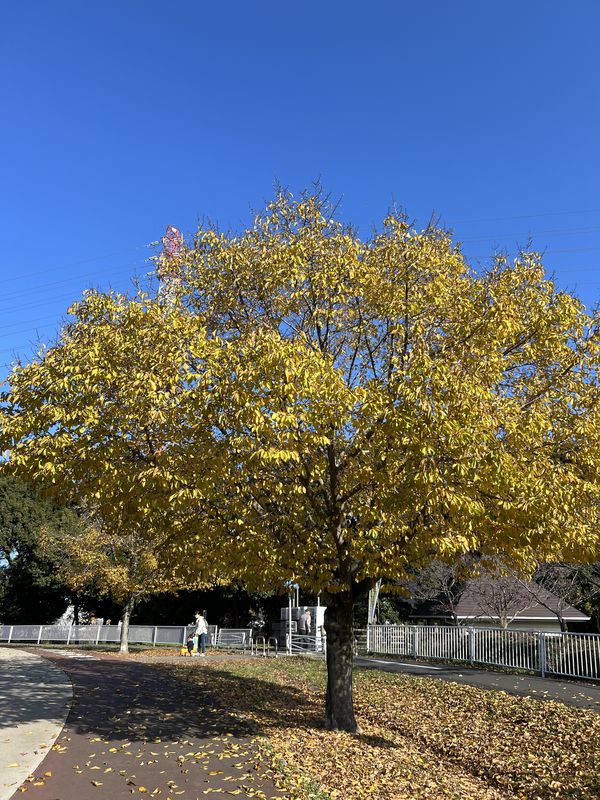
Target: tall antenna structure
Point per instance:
(168, 268)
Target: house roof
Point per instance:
(477, 602)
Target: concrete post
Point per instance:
(290, 623)
(415, 642)
(542, 653)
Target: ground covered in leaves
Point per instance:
(422, 739)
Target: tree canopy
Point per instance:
(306, 404)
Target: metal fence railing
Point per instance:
(234, 638)
(303, 644)
(572, 655)
(152, 635)
(569, 655)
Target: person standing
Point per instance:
(304, 625)
(201, 633)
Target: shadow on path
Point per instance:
(133, 729)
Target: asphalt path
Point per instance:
(573, 693)
(135, 730)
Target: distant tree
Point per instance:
(569, 584)
(228, 605)
(30, 589)
(499, 592)
(441, 584)
(121, 565)
(114, 438)
(590, 579)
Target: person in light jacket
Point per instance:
(201, 633)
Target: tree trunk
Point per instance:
(339, 707)
(563, 625)
(127, 609)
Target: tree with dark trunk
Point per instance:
(339, 614)
(305, 405)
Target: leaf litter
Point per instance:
(422, 739)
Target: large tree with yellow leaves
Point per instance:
(307, 405)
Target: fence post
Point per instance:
(415, 642)
(368, 638)
(10, 633)
(471, 645)
(70, 632)
(98, 634)
(39, 639)
(154, 635)
(184, 637)
(542, 653)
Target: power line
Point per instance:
(20, 347)
(72, 279)
(526, 216)
(74, 296)
(529, 234)
(19, 275)
(38, 303)
(34, 328)
(551, 252)
(34, 322)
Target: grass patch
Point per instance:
(423, 739)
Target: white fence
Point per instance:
(303, 644)
(151, 635)
(573, 655)
(234, 638)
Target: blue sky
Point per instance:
(123, 116)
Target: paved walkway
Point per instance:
(133, 729)
(35, 697)
(584, 695)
